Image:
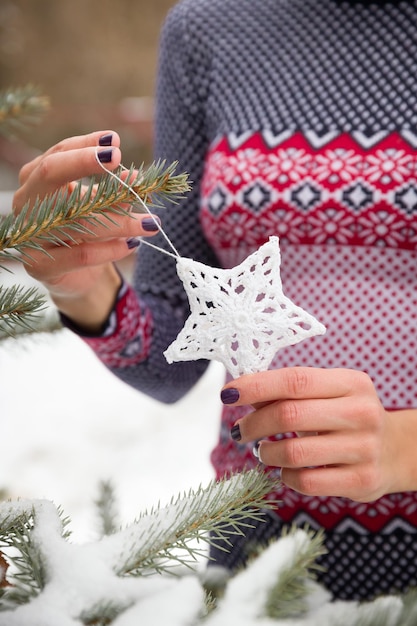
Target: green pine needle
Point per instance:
(21, 107)
(106, 507)
(234, 501)
(19, 307)
(29, 575)
(60, 217)
(288, 596)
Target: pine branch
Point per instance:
(19, 108)
(18, 308)
(159, 182)
(287, 597)
(106, 507)
(149, 545)
(47, 322)
(18, 542)
(56, 218)
(102, 615)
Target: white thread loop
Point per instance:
(137, 196)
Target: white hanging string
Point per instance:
(137, 196)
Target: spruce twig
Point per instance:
(228, 502)
(287, 597)
(102, 615)
(21, 107)
(106, 507)
(18, 309)
(60, 216)
(42, 556)
(29, 577)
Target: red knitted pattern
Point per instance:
(345, 217)
(341, 193)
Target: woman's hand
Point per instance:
(351, 446)
(81, 278)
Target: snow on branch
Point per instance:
(53, 581)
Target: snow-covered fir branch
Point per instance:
(53, 581)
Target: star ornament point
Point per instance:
(239, 316)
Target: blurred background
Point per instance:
(95, 60)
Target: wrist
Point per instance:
(403, 461)
(88, 312)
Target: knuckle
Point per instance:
(84, 255)
(307, 483)
(367, 484)
(290, 415)
(294, 453)
(297, 381)
(45, 169)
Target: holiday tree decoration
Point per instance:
(239, 316)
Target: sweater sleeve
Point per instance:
(159, 303)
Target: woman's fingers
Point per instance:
(318, 450)
(99, 139)
(293, 383)
(64, 260)
(101, 245)
(132, 225)
(59, 169)
(288, 416)
(359, 484)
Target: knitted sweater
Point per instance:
(295, 118)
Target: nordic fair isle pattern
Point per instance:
(350, 190)
(344, 209)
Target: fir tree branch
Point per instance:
(102, 615)
(56, 218)
(18, 542)
(20, 107)
(287, 597)
(148, 545)
(106, 507)
(18, 308)
(41, 322)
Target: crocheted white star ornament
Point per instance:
(239, 316)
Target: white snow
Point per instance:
(69, 424)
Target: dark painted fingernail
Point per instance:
(106, 140)
(235, 433)
(229, 396)
(255, 449)
(105, 156)
(150, 224)
(133, 242)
